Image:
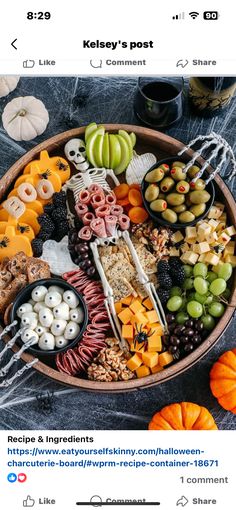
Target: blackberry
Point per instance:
(62, 231)
(175, 263)
(48, 209)
(165, 281)
(59, 214)
(46, 222)
(44, 235)
(37, 246)
(163, 267)
(163, 295)
(178, 276)
(59, 198)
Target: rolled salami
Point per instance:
(81, 209)
(98, 227)
(85, 233)
(102, 211)
(124, 222)
(95, 188)
(110, 222)
(87, 218)
(84, 196)
(111, 199)
(97, 199)
(116, 210)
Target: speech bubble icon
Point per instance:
(96, 64)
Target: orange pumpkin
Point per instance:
(183, 416)
(55, 164)
(223, 380)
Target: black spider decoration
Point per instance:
(4, 242)
(61, 165)
(23, 228)
(45, 175)
(45, 402)
(141, 337)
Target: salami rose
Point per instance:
(98, 227)
(124, 222)
(111, 222)
(85, 233)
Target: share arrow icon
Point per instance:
(182, 501)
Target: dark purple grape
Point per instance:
(165, 339)
(88, 263)
(83, 265)
(170, 317)
(171, 327)
(189, 323)
(174, 340)
(91, 271)
(84, 256)
(199, 326)
(179, 329)
(184, 339)
(189, 332)
(188, 347)
(197, 339)
(173, 349)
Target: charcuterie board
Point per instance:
(110, 303)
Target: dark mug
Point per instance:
(211, 95)
(158, 101)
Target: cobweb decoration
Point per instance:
(6, 381)
(217, 150)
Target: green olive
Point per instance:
(182, 187)
(169, 215)
(165, 168)
(177, 173)
(155, 175)
(158, 205)
(167, 184)
(180, 208)
(175, 199)
(199, 185)
(199, 197)
(151, 192)
(179, 163)
(186, 217)
(192, 171)
(198, 210)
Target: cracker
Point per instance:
(140, 289)
(108, 261)
(121, 288)
(104, 250)
(122, 268)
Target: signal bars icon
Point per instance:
(179, 16)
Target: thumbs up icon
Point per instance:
(28, 502)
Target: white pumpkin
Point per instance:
(8, 84)
(24, 118)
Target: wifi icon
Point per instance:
(194, 14)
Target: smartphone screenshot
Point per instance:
(117, 255)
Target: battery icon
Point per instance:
(210, 15)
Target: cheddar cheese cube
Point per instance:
(127, 300)
(165, 358)
(136, 347)
(136, 306)
(127, 331)
(134, 362)
(118, 307)
(150, 359)
(148, 304)
(125, 315)
(154, 343)
(141, 318)
(142, 371)
(157, 328)
(152, 316)
(156, 369)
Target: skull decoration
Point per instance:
(76, 153)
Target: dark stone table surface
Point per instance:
(73, 102)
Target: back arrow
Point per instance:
(13, 45)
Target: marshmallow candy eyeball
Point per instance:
(77, 315)
(24, 308)
(71, 331)
(70, 298)
(58, 327)
(61, 342)
(45, 317)
(40, 330)
(29, 334)
(53, 299)
(56, 288)
(38, 306)
(29, 319)
(46, 342)
(61, 311)
(39, 293)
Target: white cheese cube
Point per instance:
(231, 259)
(204, 229)
(231, 231)
(202, 257)
(214, 224)
(203, 247)
(219, 205)
(212, 258)
(229, 249)
(190, 232)
(177, 237)
(224, 238)
(184, 247)
(195, 248)
(212, 238)
(214, 213)
(174, 252)
(189, 258)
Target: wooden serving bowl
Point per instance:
(162, 146)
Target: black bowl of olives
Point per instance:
(170, 196)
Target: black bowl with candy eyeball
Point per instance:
(25, 296)
(156, 216)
